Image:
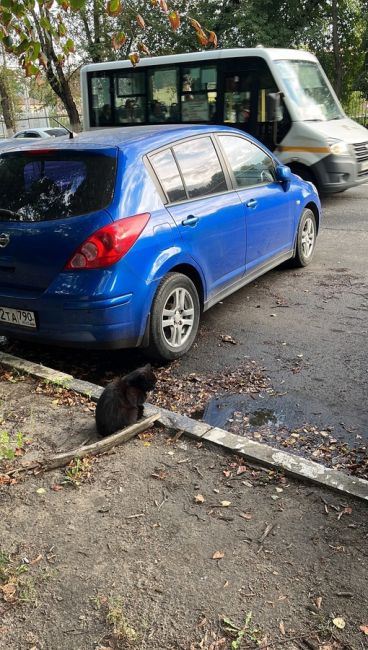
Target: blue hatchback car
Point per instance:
(122, 237)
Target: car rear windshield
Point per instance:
(45, 185)
(56, 132)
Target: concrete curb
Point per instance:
(263, 454)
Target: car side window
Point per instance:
(200, 167)
(248, 163)
(168, 174)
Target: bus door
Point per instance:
(246, 85)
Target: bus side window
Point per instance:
(162, 95)
(130, 105)
(198, 93)
(101, 101)
(237, 104)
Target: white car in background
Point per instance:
(47, 132)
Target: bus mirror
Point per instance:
(273, 106)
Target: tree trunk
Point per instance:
(7, 105)
(338, 62)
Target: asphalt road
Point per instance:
(320, 312)
(306, 327)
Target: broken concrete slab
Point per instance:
(263, 454)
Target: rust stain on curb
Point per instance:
(296, 466)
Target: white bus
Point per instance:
(282, 97)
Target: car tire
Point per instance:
(175, 316)
(306, 239)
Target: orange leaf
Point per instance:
(134, 58)
(174, 19)
(202, 38)
(118, 40)
(212, 38)
(140, 22)
(195, 24)
(144, 50)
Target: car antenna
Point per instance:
(71, 133)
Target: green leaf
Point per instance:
(61, 29)
(69, 46)
(23, 46)
(45, 24)
(76, 5)
(34, 51)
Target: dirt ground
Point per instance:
(166, 545)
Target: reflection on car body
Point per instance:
(121, 237)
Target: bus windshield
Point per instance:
(308, 91)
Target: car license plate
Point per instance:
(364, 166)
(17, 317)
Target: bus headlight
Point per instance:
(339, 148)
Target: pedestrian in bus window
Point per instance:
(105, 115)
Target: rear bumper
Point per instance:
(79, 323)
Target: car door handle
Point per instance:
(252, 203)
(190, 221)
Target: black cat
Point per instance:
(121, 403)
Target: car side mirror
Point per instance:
(283, 174)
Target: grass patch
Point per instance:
(122, 632)
(15, 586)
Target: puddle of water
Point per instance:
(222, 411)
(261, 417)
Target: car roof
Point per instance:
(144, 138)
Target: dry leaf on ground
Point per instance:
(218, 555)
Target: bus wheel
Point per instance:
(174, 317)
(306, 239)
(303, 172)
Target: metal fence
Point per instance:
(357, 109)
(41, 119)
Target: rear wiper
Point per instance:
(10, 214)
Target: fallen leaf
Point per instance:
(282, 628)
(339, 622)
(218, 555)
(241, 469)
(226, 473)
(41, 491)
(364, 629)
(37, 559)
(318, 602)
(225, 504)
(56, 487)
(9, 591)
(199, 498)
(226, 338)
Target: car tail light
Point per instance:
(107, 245)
